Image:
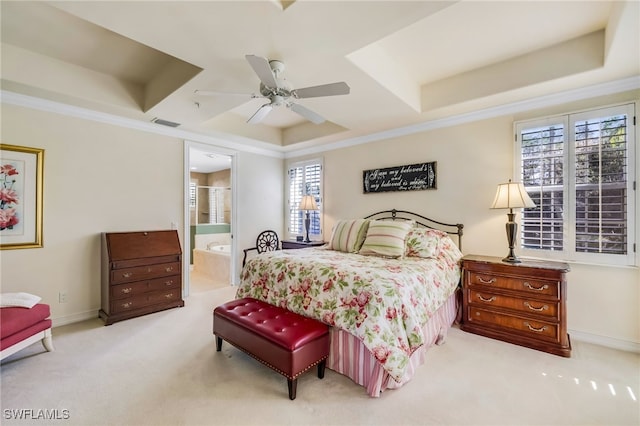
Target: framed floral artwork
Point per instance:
(21, 180)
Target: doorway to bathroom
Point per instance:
(208, 218)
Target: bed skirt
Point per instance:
(348, 355)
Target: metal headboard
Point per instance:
(420, 220)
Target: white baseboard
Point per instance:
(70, 319)
(609, 342)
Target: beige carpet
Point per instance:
(162, 369)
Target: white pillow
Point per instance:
(386, 238)
(20, 300)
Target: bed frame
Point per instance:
(420, 220)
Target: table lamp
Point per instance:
(308, 203)
(511, 195)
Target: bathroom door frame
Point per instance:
(186, 251)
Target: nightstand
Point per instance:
(521, 303)
(292, 244)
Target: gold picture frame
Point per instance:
(21, 182)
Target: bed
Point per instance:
(386, 284)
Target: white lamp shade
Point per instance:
(308, 202)
(512, 195)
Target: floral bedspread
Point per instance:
(383, 302)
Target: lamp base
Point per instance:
(512, 229)
(511, 259)
(307, 223)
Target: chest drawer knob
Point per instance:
(126, 290)
(537, 330)
(170, 282)
(530, 287)
(127, 274)
(489, 281)
(491, 299)
(169, 268)
(168, 295)
(533, 308)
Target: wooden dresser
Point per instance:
(141, 274)
(522, 303)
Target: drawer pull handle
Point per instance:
(170, 282)
(483, 281)
(530, 287)
(127, 305)
(533, 308)
(491, 299)
(537, 330)
(168, 295)
(168, 268)
(127, 274)
(127, 290)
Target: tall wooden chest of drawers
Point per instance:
(141, 274)
(522, 303)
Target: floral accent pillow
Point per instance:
(423, 242)
(348, 235)
(386, 238)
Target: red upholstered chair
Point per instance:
(21, 327)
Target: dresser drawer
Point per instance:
(529, 306)
(121, 291)
(140, 273)
(536, 329)
(144, 300)
(523, 285)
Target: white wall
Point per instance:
(472, 159)
(260, 200)
(100, 178)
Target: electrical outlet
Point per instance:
(62, 297)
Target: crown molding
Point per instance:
(232, 142)
(608, 88)
(238, 143)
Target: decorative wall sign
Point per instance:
(413, 177)
(21, 178)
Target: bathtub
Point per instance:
(213, 263)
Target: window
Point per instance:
(579, 170)
(305, 178)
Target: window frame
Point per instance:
(569, 221)
(289, 234)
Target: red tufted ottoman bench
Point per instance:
(284, 341)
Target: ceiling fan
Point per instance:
(279, 93)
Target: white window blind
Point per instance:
(305, 178)
(192, 195)
(579, 170)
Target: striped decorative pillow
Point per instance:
(386, 238)
(348, 235)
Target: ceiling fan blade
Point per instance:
(262, 68)
(260, 114)
(332, 89)
(307, 113)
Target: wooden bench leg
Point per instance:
(321, 367)
(292, 384)
(218, 344)
(47, 341)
